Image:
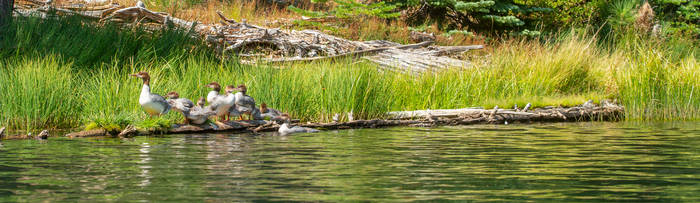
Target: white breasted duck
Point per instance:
(244, 103)
(285, 129)
(221, 104)
(215, 89)
(153, 104)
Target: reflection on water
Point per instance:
(555, 162)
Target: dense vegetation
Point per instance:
(63, 73)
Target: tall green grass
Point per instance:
(83, 78)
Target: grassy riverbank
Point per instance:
(64, 74)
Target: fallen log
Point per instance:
(421, 118)
(350, 54)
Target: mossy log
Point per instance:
(421, 118)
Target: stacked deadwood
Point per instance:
(255, 44)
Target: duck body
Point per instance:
(181, 105)
(286, 130)
(222, 104)
(199, 115)
(245, 104)
(212, 95)
(270, 113)
(153, 104)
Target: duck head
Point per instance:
(143, 75)
(200, 102)
(263, 108)
(173, 95)
(215, 86)
(242, 88)
(282, 119)
(230, 89)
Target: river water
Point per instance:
(542, 162)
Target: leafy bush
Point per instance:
(487, 16)
(350, 9)
(680, 16)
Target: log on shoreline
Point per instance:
(421, 118)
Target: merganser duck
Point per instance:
(200, 114)
(286, 130)
(244, 103)
(215, 89)
(201, 102)
(222, 104)
(268, 112)
(44, 134)
(153, 104)
(2, 132)
(182, 105)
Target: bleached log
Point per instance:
(350, 54)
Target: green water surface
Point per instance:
(565, 162)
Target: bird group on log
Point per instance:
(233, 103)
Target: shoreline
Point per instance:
(422, 118)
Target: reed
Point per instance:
(79, 77)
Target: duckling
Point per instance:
(199, 114)
(44, 134)
(182, 105)
(222, 104)
(244, 103)
(268, 112)
(153, 104)
(201, 102)
(215, 89)
(2, 132)
(286, 130)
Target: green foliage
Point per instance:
(347, 9)
(621, 14)
(681, 16)
(485, 16)
(37, 93)
(462, 32)
(569, 12)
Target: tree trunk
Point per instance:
(6, 11)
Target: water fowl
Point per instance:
(2, 132)
(201, 102)
(199, 114)
(182, 105)
(222, 104)
(44, 134)
(244, 103)
(214, 93)
(153, 104)
(268, 112)
(285, 129)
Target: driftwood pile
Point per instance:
(256, 44)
